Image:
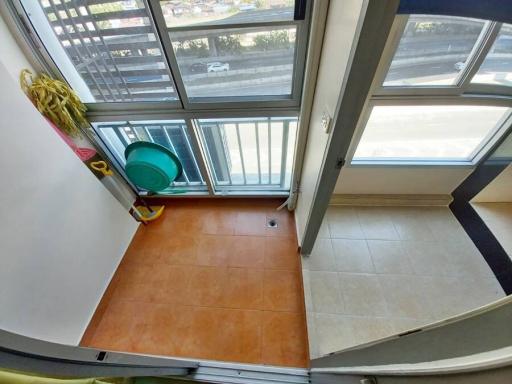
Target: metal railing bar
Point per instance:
(133, 31)
(95, 24)
(225, 156)
(148, 96)
(127, 60)
(124, 14)
(174, 150)
(284, 152)
(240, 152)
(133, 127)
(72, 43)
(156, 15)
(256, 130)
(268, 25)
(150, 136)
(80, 36)
(117, 130)
(194, 132)
(209, 159)
(269, 151)
(148, 44)
(139, 72)
(193, 155)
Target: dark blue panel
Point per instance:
(497, 10)
(488, 245)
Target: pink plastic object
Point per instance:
(83, 153)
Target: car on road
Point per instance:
(198, 68)
(459, 66)
(217, 66)
(247, 7)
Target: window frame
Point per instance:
(191, 119)
(183, 108)
(460, 93)
(259, 102)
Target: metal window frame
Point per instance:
(476, 155)
(260, 102)
(191, 120)
(183, 108)
(242, 102)
(462, 92)
(45, 62)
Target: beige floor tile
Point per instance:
(321, 258)
(404, 297)
(426, 257)
(352, 256)
(325, 292)
(312, 335)
(485, 291)
(344, 223)
(306, 283)
(447, 296)
(410, 223)
(443, 225)
(376, 223)
(389, 257)
(464, 259)
(323, 233)
(368, 329)
(334, 333)
(362, 295)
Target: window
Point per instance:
(235, 62)
(107, 52)
(185, 75)
(430, 107)
(433, 50)
(497, 66)
(179, 13)
(427, 132)
(174, 51)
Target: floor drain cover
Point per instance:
(272, 223)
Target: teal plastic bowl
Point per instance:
(151, 166)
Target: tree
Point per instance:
(229, 44)
(272, 40)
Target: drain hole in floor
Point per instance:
(272, 223)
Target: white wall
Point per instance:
(10, 54)
(499, 190)
(62, 234)
(342, 20)
(400, 180)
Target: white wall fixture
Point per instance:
(326, 122)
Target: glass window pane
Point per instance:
(427, 132)
(171, 134)
(433, 50)
(497, 66)
(236, 62)
(254, 153)
(108, 52)
(178, 13)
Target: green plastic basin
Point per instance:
(151, 166)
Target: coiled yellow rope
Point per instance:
(55, 100)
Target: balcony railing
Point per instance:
(241, 154)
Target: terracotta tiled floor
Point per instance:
(208, 280)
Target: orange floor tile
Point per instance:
(209, 280)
